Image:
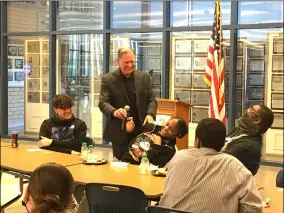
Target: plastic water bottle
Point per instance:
(91, 156)
(144, 165)
(84, 150)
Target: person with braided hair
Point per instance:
(50, 190)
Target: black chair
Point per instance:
(111, 198)
(279, 179)
(157, 209)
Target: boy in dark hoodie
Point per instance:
(245, 141)
(62, 132)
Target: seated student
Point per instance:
(50, 190)
(157, 141)
(63, 132)
(205, 180)
(245, 141)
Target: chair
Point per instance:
(279, 179)
(157, 209)
(111, 198)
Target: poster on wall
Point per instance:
(277, 101)
(256, 65)
(256, 79)
(201, 46)
(33, 84)
(256, 93)
(198, 81)
(278, 45)
(278, 121)
(34, 72)
(33, 47)
(183, 46)
(277, 63)
(12, 50)
(45, 60)
(20, 51)
(239, 64)
(10, 76)
(199, 63)
(33, 60)
(154, 50)
(45, 47)
(257, 51)
(45, 97)
(10, 63)
(33, 97)
(19, 63)
(277, 83)
(183, 63)
(45, 84)
(183, 95)
(19, 76)
(45, 72)
(200, 98)
(198, 114)
(154, 63)
(183, 80)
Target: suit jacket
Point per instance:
(113, 95)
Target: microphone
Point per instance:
(127, 109)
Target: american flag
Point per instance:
(214, 74)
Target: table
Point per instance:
(152, 186)
(4, 144)
(27, 157)
(276, 200)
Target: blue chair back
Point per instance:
(111, 198)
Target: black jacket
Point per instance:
(246, 149)
(113, 95)
(66, 135)
(158, 155)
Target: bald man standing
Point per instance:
(126, 87)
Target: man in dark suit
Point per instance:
(126, 86)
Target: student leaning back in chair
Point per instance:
(63, 132)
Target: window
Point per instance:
(28, 16)
(79, 15)
(28, 84)
(197, 13)
(131, 14)
(261, 51)
(79, 71)
(148, 48)
(254, 12)
(188, 64)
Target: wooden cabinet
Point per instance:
(169, 108)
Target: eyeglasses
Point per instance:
(254, 116)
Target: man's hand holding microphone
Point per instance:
(127, 122)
